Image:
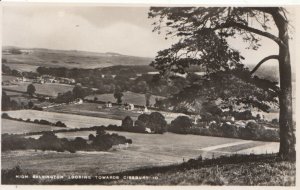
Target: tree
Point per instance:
(31, 89)
(127, 122)
(118, 95)
(181, 125)
(147, 98)
(157, 123)
(203, 32)
(30, 104)
(78, 92)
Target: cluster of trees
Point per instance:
(155, 122)
(124, 80)
(8, 71)
(8, 104)
(251, 130)
(49, 141)
(77, 92)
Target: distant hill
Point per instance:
(34, 57)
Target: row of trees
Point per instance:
(49, 141)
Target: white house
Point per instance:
(78, 101)
(108, 105)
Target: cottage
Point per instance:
(129, 107)
(108, 104)
(146, 109)
(78, 101)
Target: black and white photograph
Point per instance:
(151, 94)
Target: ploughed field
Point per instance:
(147, 150)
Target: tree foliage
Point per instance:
(31, 89)
(219, 23)
(202, 34)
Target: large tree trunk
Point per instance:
(287, 136)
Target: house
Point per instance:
(129, 107)
(146, 109)
(78, 101)
(148, 130)
(108, 104)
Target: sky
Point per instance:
(125, 30)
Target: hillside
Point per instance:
(29, 59)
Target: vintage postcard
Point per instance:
(104, 94)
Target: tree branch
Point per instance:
(262, 61)
(250, 29)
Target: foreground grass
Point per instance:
(263, 170)
(278, 173)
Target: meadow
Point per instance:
(129, 97)
(18, 127)
(147, 150)
(94, 110)
(71, 120)
(48, 89)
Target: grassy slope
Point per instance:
(50, 89)
(246, 170)
(72, 59)
(18, 127)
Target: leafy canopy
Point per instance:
(202, 34)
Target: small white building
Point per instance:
(78, 101)
(108, 105)
(130, 107)
(146, 109)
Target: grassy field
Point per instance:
(8, 78)
(129, 97)
(50, 89)
(147, 150)
(94, 110)
(72, 121)
(18, 127)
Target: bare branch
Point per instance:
(262, 61)
(250, 29)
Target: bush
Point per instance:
(5, 116)
(181, 125)
(91, 137)
(60, 124)
(45, 122)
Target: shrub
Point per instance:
(5, 116)
(45, 122)
(91, 137)
(181, 125)
(129, 141)
(60, 124)
(275, 121)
